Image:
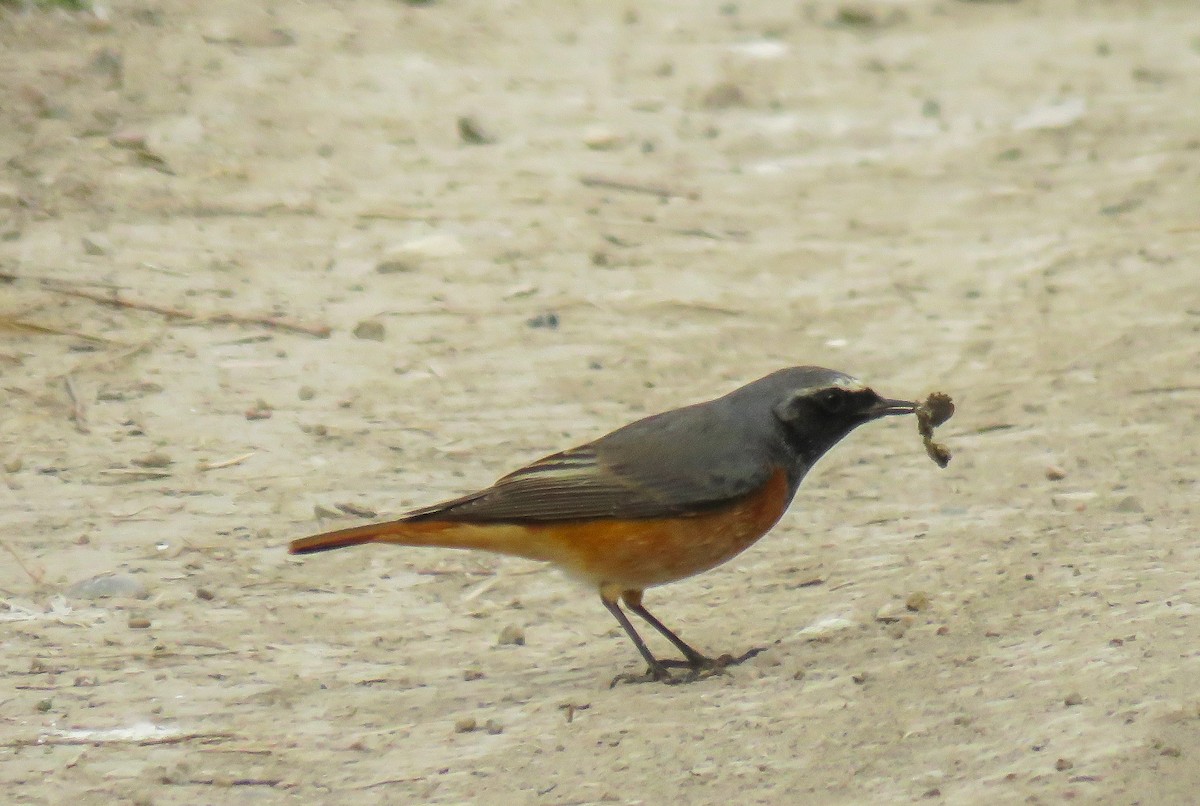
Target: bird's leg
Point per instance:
(695, 660)
(656, 670)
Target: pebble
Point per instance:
(96, 244)
(472, 674)
(547, 320)
(724, 96)
(512, 635)
(471, 132)
(1074, 698)
(105, 586)
(1055, 473)
(370, 330)
(13, 465)
(152, 459)
(465, 725)
(1129, 503)
(493, 727)
(139, 623)
(890, 612)
(261, 410)
(396, 265)
(602, 139)
(1063, 764)
(917, 601)
(306, 393)
(825, 629)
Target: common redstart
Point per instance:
(658, 500)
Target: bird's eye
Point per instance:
(832, 400)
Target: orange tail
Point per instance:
(501, 538)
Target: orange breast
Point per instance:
(641, 553)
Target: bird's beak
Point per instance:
(886, 408)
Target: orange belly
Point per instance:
(638, 554)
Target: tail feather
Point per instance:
(512, 539)
(354, 536)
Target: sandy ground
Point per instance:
(996, 199)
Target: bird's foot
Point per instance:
(695, 669)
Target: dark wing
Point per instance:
(673, 464)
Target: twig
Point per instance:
(179, 738)
(237, 460)
(236, 781)
(387, 781)
(649, 188)
(36, 577)
(277, 323)
(33, 327)
(140, 472)
(78, 410)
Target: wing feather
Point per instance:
(672, 465)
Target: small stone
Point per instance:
(1055, 473)
(261, 410)
(132, 139)
(465, 724)
(106, 586)
(896, 629)
(472, 133)
(825, 629)
(306, 393)
(139, 623)
(547, 320)
(493, 727)
(890, 612)
(1171, 751)
(205, 594)
(369, 330)
(602, 139)
(96, 244)
(1063, 764)
(13, 465)
(1074, 698)
(152, 459)
(724, 96)
(512, 635)
(398, 265)
(44, 705)
(472, 674)
(917, 601)
(860, 678)
(1129, 503)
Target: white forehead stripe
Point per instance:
(851, 384)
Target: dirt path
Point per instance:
(995, 199)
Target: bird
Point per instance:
(658, 500)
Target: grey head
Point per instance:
(812, 408)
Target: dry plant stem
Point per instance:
(36, 577)
(277, 323)
(630, 186)
(43, 741)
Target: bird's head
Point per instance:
(822, 406)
